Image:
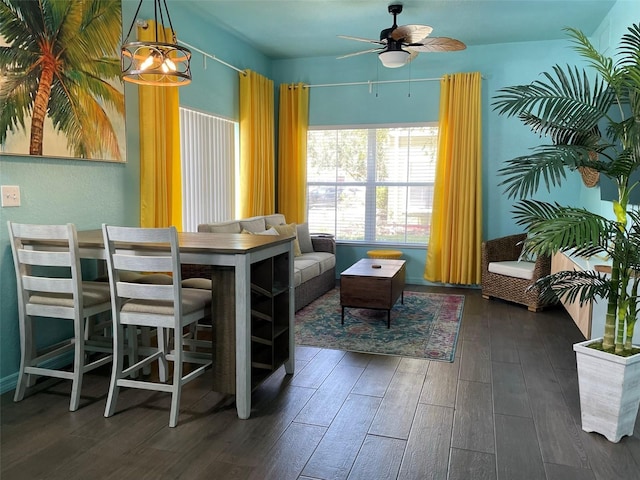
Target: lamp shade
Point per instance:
(394, 58)
(161, 62)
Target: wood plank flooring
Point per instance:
(507, 408)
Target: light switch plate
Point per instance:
(10, 195)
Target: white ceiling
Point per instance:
(309, 28)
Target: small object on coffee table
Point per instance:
(376, 265)
(362, 286)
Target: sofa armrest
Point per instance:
(323, 243)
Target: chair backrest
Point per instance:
(47, 265)
(145, 250)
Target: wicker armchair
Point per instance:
(510, 288)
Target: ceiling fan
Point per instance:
(399, 45)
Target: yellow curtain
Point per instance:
(160, 175)
(256, 145)
(292, 151)
(453, 253)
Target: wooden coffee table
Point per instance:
(363, 285)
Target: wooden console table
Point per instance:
(590, 317)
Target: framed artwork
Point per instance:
(61, 94)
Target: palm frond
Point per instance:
(547, 164)
(553, 228)
(565, 100)
(601, 63)
(572, 285)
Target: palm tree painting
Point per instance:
(60, 87)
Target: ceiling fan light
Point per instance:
(394, 58)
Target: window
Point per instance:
(372, 185)
(209, 168)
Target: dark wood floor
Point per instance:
(507, 408)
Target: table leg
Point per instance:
(389, 318)
(342, 321)
(243, 336)
(289, 365)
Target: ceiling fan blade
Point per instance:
(437, 44)
(412, 54)
(360, 39)
(411, 33)
(360, 53)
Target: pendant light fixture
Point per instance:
(161, 62)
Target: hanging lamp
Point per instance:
(156, 63)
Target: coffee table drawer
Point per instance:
(365, 292)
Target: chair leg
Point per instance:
(163, 345)
(27, 354)
(116, 371)
(145, 340)
(177, 380)
(78, 366)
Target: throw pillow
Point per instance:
(302, 232)
(271, 231)
(289, 230)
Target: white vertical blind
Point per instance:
(207, 146)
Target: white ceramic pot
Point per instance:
(609, 391)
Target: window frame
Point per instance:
(371, 184)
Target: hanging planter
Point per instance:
(609, 391)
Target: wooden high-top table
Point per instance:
(372, 283)
(232, 256)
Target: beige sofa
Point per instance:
(314, 267)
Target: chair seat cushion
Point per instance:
(193, 299)
(93, 293)
(201, 283)
(515, 269)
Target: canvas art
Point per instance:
(61, 94)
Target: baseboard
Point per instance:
(9, 382)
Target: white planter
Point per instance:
(609, 391)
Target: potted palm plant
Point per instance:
(591, 117)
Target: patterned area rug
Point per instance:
(425, 326)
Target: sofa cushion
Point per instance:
(513, 269)
(289, 230)
(271, 231)
(302, 232)
(325, 260)
(253, 225)
(275, 219)
(305, 270)
(224, 227)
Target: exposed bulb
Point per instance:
(168, 63)
(147, 62)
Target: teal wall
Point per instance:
(89, 193)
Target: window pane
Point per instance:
(392, 155)
(351, 213)
(352, 155)
(322, 156)
(391, 205)
(372, 185)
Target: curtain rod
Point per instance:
(373, 82)
(212, 57)
(143, 24)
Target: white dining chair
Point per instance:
(169, 309)
(49, 285)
